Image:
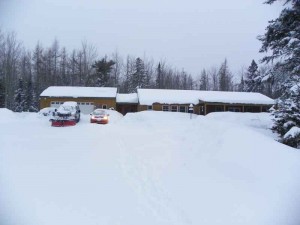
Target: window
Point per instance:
(249, 109)
(165, 108)
(218, 109)
(87, 103)
(56, 103)
(182, 108)
(91, 103)
(233, 109)
(174, 108)
(104, 106)
(52, 103)
(149, 107)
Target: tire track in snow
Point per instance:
(151, 194)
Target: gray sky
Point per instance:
(191, 34)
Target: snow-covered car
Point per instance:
(99, 116)
(67, 114)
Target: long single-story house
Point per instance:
(202, 102)
(88, 98)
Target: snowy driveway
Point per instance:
(147, 168)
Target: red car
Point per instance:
(99, 116)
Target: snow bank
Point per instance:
(47, 111)
(6, 114)
(157, 117)
(114, 116)
(255, 120)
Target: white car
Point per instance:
(67, 114)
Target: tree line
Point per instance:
(24, 73)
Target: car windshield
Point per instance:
(99, 112)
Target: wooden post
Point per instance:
(261, 108)
(243, 108)
(204, 109)
(224, 108)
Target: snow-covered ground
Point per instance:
(147, 168)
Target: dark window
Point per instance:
(149, 107)
(218, 109)
(104, 106)
(165, 108)
(174, 108)
(233, 109)
(249, 109)
(182, 108)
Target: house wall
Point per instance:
(211, 107)
(125, 108)
(110, 102)
(159, 107)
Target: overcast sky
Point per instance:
(191, 34)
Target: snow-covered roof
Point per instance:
(235, 97)
(166, 96)
(127, 98)
(75, 92)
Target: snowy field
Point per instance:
(147, 168)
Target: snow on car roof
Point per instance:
(69, 103)
(75, 92)
(167, 96)
(127, 98)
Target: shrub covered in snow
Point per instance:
(292, 137)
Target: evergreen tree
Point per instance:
(30, 100)
(288, 116)
(241, 86)
(204, 81)
(138, 78)
(159, 77)
(103, 69)
(19, 98)
(252, 81)
(282, 39)
(225, 77)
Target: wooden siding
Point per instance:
(125, 108)
(142, 108)
(158, 107)
(110, 102)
